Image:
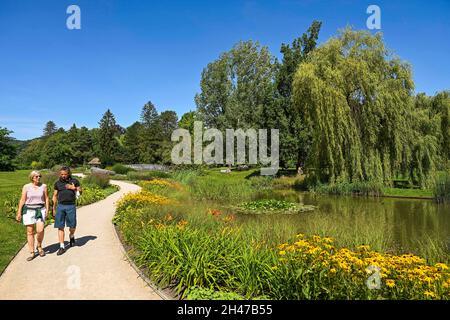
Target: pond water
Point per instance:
(394, 225)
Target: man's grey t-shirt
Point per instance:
(66, 196)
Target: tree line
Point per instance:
(346, 111)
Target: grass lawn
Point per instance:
(416, 193)
(12, 234)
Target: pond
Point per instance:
(396, 225)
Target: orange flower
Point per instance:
(214, 212)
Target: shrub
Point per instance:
(121, 169)
(97, 179)
(369, 188)
(11, 204)
(36, 165)
(186, 176)
(147, 175)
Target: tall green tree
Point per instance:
(187, 121)
(295, 136)
(236, 88)
(7, 150)
(168, 121)
(132, 143)
(357, 99)
(50, 128)
(441, 106)
(57, 150)
(151, 138)
(107, 133)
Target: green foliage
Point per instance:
(50, 128)
(217, 189)
(132, 143)
(210, 256)
(49, 178)
(268, 204)
(93, 193)
(441, 189)
(369, 188)
(121, 169)
(294, 134)
(147, 175)
(97, 180)
(271, 206)
(199, 293)
(261, 182)
(357, 99)
(36, 165)
(11, 203)
(236, 88)
(185, 176)
(109, 146)
(187, 121)
(7, 151)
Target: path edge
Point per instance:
(139, 272)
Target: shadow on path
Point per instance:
(79, 243)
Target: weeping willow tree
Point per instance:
(357, 99)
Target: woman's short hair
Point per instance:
(33, 174)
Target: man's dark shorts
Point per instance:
(66, 215)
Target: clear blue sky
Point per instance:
(130, 52)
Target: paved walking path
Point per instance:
(95, 269)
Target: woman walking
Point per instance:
(33, 209)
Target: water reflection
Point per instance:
(392, 224)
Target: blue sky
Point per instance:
(130, 52)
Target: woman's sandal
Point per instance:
(32, 256)
(41, 252)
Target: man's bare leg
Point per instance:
(72, 236)
(61, 237)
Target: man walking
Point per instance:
(64, 204)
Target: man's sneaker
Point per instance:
(72, 242)
(60, 251)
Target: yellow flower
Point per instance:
(429, 294)
(290, 248)
(390, 283)
(441, 266)
(282, 253)
(327, 240)
(363, 248)
(333, 270)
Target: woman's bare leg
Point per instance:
(30, 238)
(40, 233)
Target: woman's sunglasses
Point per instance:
(38, 176)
